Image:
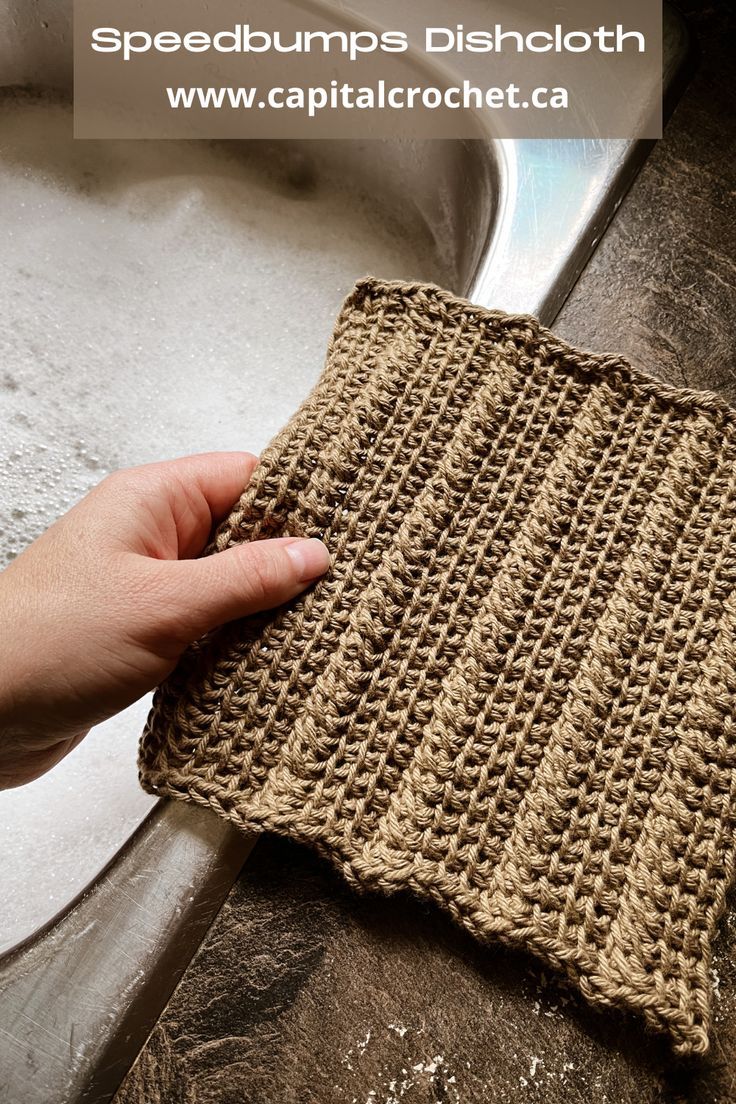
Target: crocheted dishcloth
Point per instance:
(514, 690)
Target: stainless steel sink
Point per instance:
(172, 297)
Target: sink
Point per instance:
(168, 298)
(173, 297)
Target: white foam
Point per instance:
(159, 298)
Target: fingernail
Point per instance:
(310, 558)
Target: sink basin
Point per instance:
(173, 297)
(168, 298)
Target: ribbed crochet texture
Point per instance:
(514, 691)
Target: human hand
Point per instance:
(97, 611)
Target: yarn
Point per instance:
(514, 691)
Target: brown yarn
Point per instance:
(514, 691)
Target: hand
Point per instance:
(98, 610)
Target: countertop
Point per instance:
(305, 992)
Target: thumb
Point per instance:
(245, 579)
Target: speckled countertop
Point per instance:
(303, 992)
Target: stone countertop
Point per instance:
(305, 992)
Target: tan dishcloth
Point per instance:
(514, 690)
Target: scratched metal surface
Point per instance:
(91, 973)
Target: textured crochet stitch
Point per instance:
(514, 691)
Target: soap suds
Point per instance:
(160, 298)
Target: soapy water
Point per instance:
(159, 299)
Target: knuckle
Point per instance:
(117, 482)
(264, 573)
